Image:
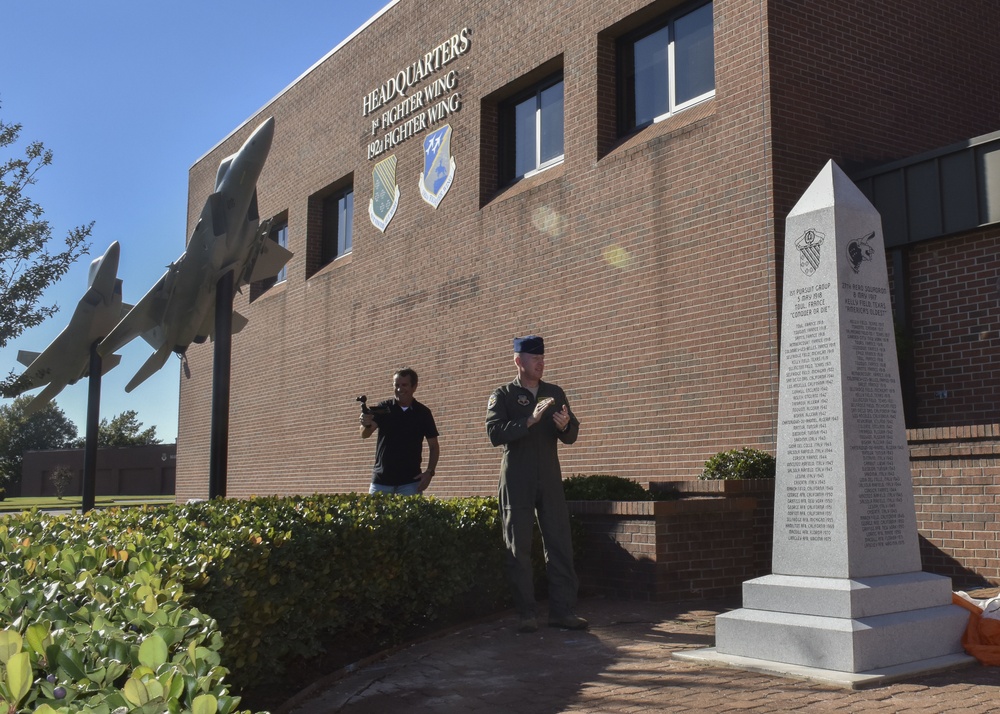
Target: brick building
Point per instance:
(121, 471)
(621, 173)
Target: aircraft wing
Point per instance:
(43, 397)
(142, 319)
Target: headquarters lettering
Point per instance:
(400, 83)
(419, 110)
(435, 103)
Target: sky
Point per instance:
(128, 95)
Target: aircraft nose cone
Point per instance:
(263, 135)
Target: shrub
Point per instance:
(603, 487)
(739, 464)
(92, 627)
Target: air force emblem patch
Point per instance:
(523, 400)
(492, 402)
(385, 193)
(439, 166)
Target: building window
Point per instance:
(330, 224)
(532, 130)
(666, 67)
(338, 218)
(279, 234)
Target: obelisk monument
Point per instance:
(846, 593)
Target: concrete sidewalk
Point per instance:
(623, 663)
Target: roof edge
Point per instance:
(298, 79)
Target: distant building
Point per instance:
(121, 470)
(613, 176)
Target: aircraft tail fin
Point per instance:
(239, 322)
(149, 368)
(109, 363)
(154, 337)
(270, 260)
(26, 357)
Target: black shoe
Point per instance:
(569, 622)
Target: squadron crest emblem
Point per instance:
(809, 244)
(385, 193)
(860, 250)
(439, 166)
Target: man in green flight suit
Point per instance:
(528, 418)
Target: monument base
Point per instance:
(847, 680)
(846, 625)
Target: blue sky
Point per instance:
(128, 95)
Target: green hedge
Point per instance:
(287, 571)
(739, 464)
(112, 604)
(603, 487)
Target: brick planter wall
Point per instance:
(720, 532)
(693, 548)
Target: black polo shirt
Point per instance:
(399, 450)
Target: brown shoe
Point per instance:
(569, 622)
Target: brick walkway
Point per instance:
(622, 664)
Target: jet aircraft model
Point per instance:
(67, 358)
(180, 308)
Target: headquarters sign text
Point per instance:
(420, 110)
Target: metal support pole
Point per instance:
(93, 416)
(221, 370)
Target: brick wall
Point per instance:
(866, 82)
(956, 486)
(954, 307)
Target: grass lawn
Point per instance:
(69, 503)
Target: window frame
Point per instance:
(627, 123)
(329, 252)
(276, 234)
(323, 242)
(507, 111)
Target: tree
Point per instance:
(27, 266)
(61, 477)
(48, 428)
(123, 430)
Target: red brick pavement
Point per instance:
(623, 663)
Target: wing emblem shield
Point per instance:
(385, 193)
(439, 166)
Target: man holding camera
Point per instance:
(402, 423)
